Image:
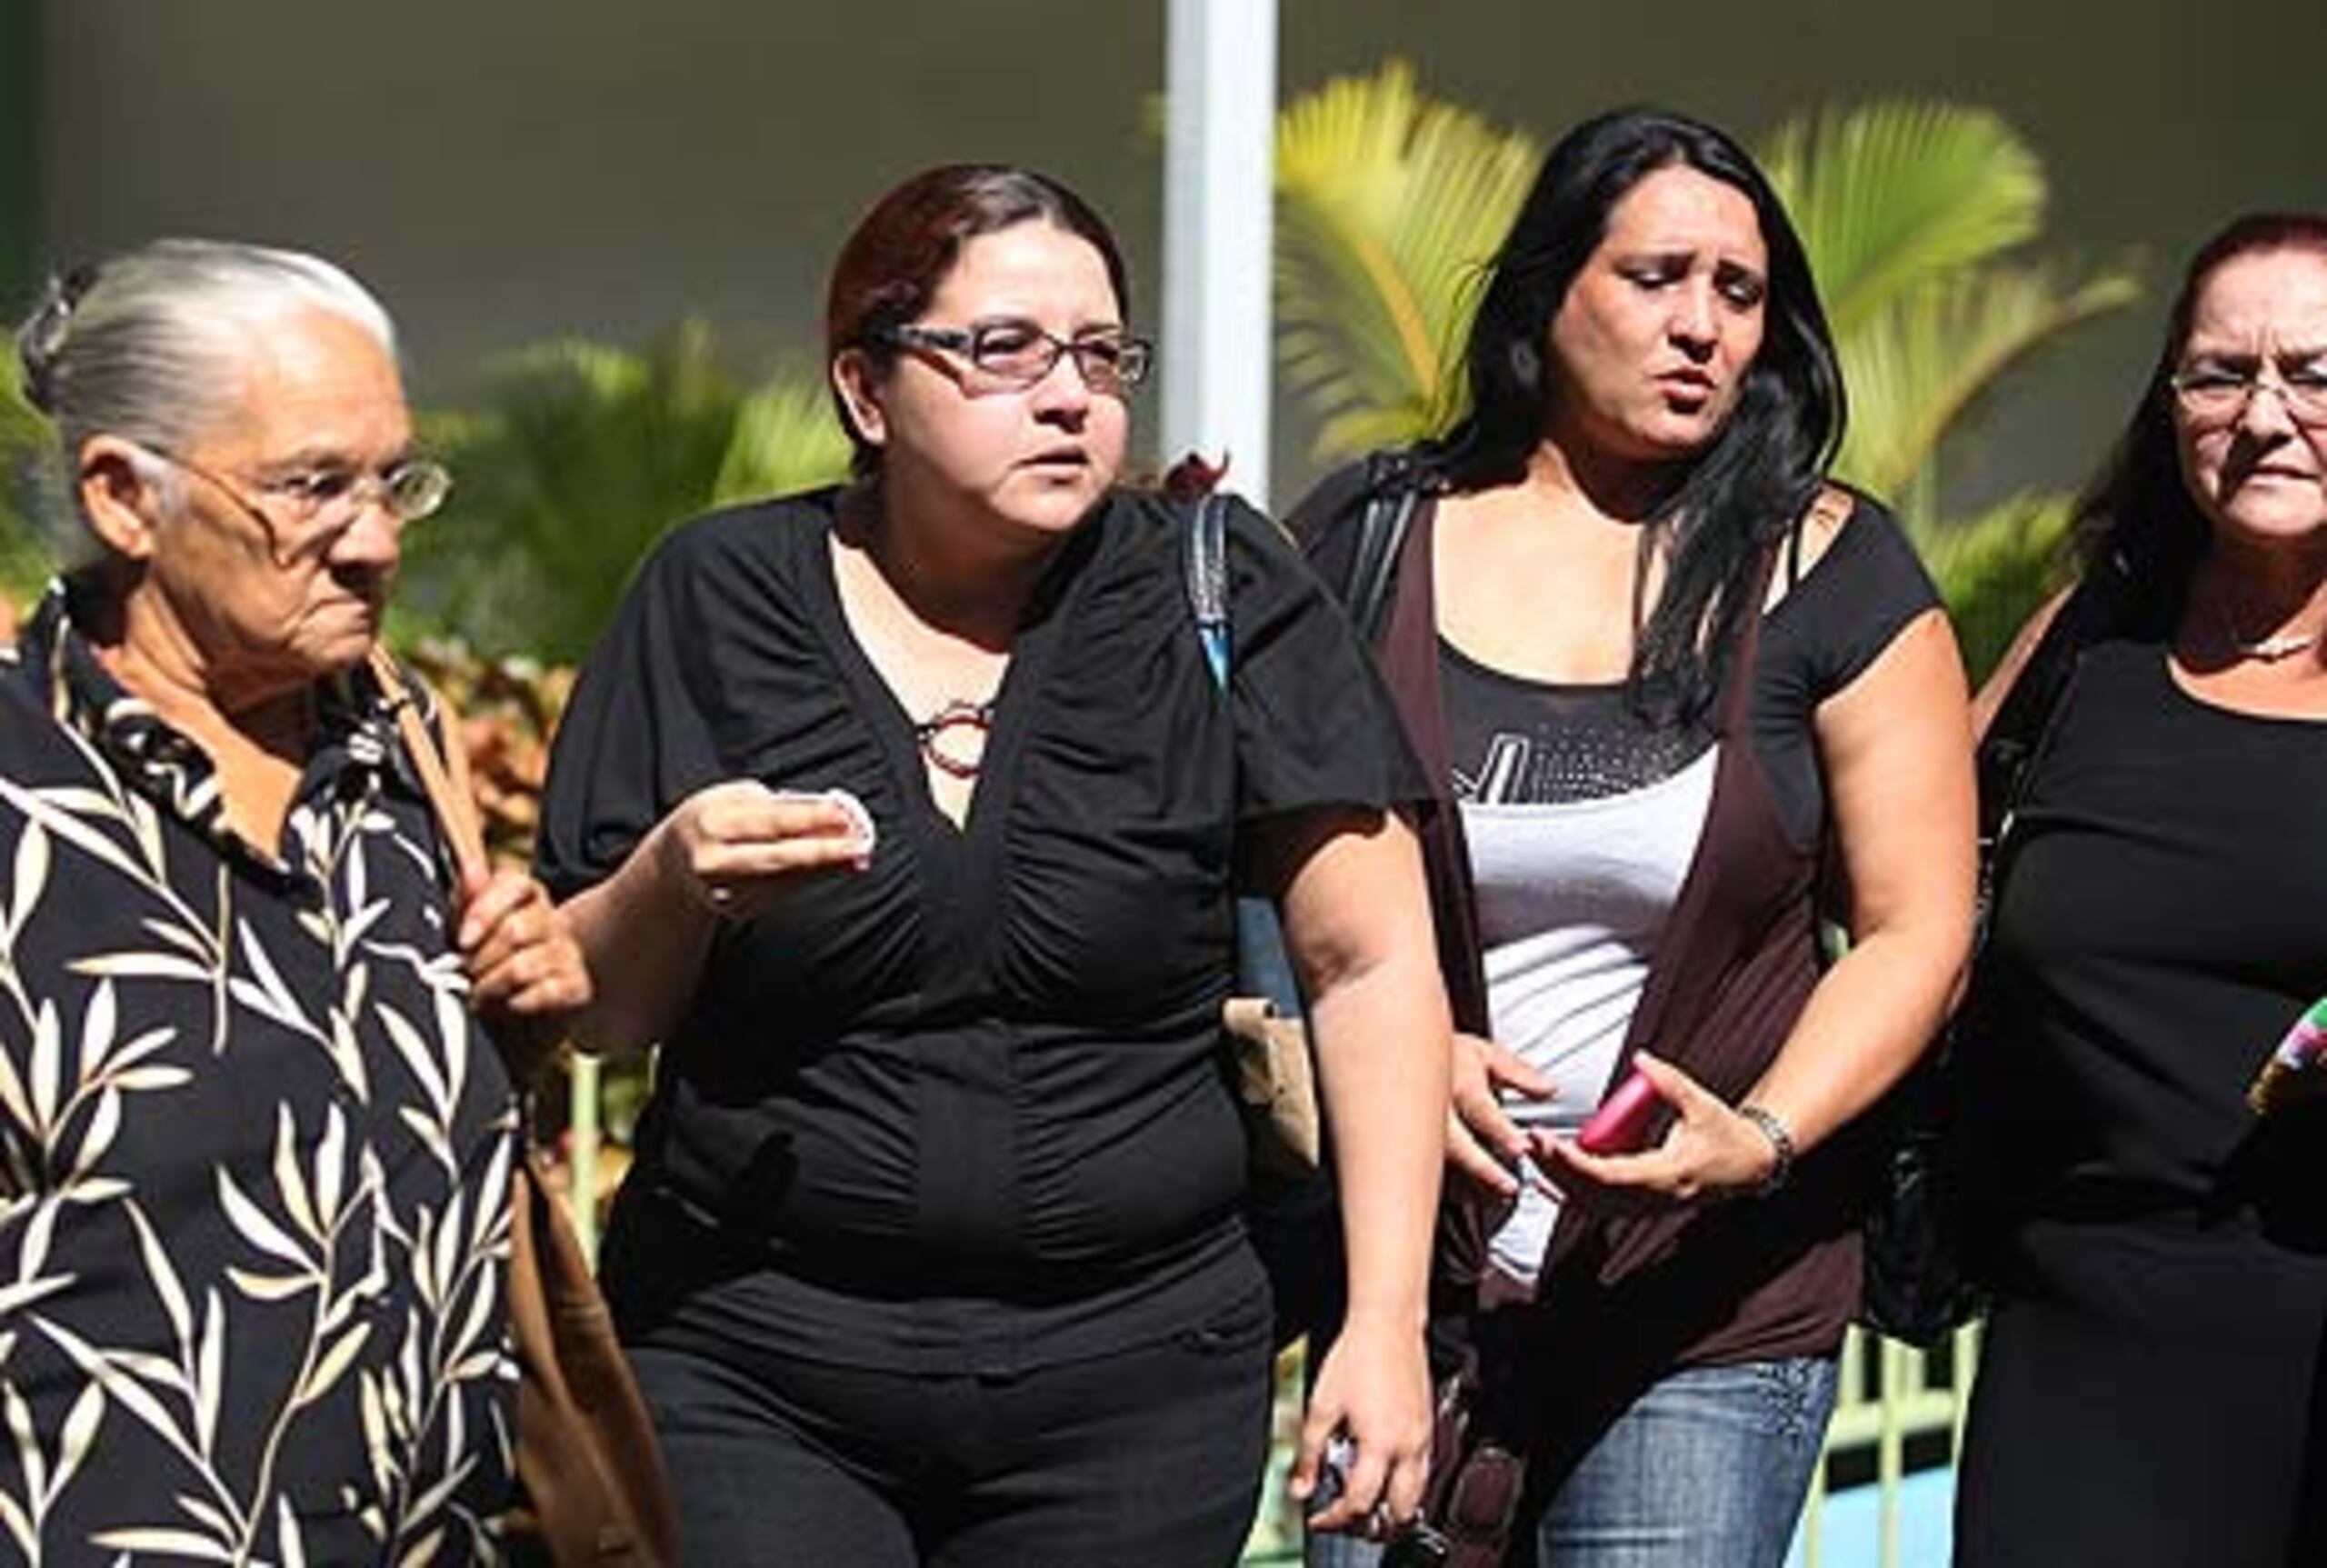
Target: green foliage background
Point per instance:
(583, 454)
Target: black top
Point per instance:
(253, 1157)
(2161, 922)
(1522, 741)
(969, 1097)
(1533, 742)
(1847, 609)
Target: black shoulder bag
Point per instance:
(1914, 1284)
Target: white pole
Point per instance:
(1219, 170)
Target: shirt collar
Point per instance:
(355, 727)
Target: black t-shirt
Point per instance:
(1522, 741)
(2161, 922)
(969, 1097)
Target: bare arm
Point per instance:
(1357, 925)
(1896, 749)
(722, 853)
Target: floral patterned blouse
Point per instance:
(254, 1155)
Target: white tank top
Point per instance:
(1572, 897)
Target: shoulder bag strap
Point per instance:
(591, 1478)
(1262, 970)
(455, 812)
(1381, 538)
(1206, 566)
(2024, 722)
(2023, 727)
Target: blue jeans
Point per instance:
(1708, 1469)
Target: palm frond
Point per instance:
(25, 478)
(585, 453)
(1893, 194)
(1994, 568)
(1917, 368)
(1389, 204)
(786, 438)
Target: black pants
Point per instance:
(1152, 1457)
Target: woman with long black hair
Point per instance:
(1659, 669)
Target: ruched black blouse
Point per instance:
(966, 1104)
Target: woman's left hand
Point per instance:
(1709, 1151)
(1374, 1389)
(526, 974)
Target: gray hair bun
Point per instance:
(40, 342)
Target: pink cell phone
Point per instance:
(1621, 1124)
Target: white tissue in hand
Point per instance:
(860, 820)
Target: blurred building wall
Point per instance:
(505, 170)
(20, 61)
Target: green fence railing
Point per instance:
(1899, 1413)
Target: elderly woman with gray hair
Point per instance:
(254, 1156)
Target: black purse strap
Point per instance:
(2024, 721)
(1393, 491)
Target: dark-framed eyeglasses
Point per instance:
(2216, 392)
(320, 503)
(1008, 354)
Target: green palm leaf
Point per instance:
(1910, 212)
(1994, 569)
(1389, 204)
(585, 455)
(25, 477)
(1916, 369)
(1890, 195)
(786, 438)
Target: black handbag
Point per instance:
(1916, 1284)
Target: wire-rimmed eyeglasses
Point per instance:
(323, 502)
(2216, 391)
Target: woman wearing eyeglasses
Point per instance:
(2152, 1386)
(906, 815)
(254, 1157)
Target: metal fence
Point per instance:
(1899, 1415)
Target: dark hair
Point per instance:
(1761, 470)
(2137, 517)
(900, 251)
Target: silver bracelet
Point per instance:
(1781, 1144)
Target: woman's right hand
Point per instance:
(731, 848)
(1483, 1142)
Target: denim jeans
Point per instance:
(1708, 1469)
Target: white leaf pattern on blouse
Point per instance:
(181, 1333)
